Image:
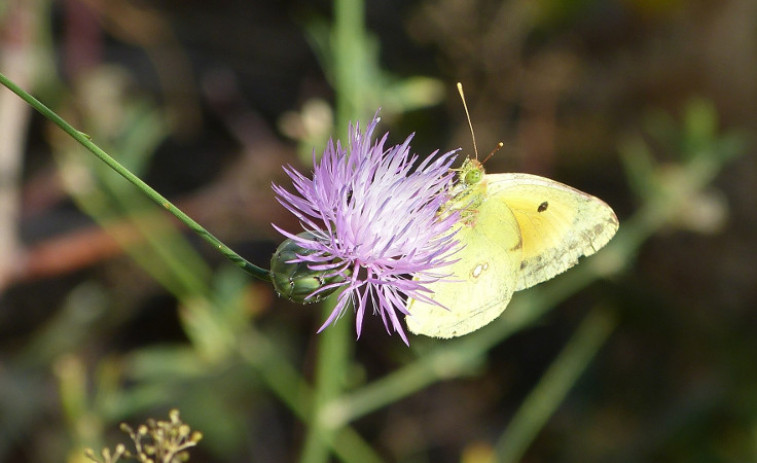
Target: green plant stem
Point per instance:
(551, 390)
(287, 383)
(349, 45)
(85, 141)
(332, 363)
(166, 259)
(348, 48)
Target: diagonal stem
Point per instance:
(560, 377)
(87, 142)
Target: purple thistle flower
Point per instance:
(374, 224)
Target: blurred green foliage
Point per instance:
(568, 85)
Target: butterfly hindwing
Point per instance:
(480, 283)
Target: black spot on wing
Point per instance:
(542, 207)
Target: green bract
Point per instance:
(295, 280)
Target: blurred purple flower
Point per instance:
(374, 223)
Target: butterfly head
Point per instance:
(468, 192)
(471, 172)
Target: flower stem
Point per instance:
(349, 51)
(549, 393)
(333, 356)
(287, 383)
(86, 141)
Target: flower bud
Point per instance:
(293, 279)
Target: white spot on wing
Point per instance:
(479, 269)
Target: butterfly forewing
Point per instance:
(558, 224)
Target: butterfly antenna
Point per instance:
(467, 114)
(496, 148)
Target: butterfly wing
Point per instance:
(558, 224)
(481, 282)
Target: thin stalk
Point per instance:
(560, 377)
(348, 47)
(332, 363)
(86, 141)
(287, 383)
(349, 50)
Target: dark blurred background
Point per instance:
(207, 100)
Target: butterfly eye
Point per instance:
(472, 176)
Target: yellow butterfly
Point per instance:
(517, 230)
